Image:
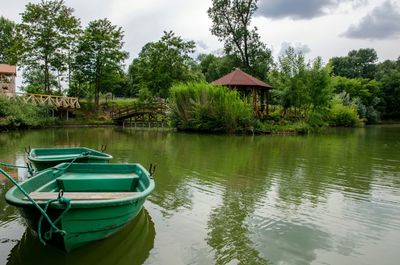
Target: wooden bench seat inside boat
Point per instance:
(81, 195)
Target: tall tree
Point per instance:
(162, 63)
(213, 67)
(357, 64)
(7, 39)
(231, 21)
(318, 86)
(100, 52)
(290, 78)
(46, 32)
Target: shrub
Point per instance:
(15, 113)
(317, 119)
(342, 115)
(205, 107)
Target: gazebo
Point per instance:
(248, 85)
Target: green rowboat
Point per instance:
(102, 199)
(43, 158)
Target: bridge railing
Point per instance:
(55, 101)
(124, 112)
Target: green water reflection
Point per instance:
(331, 198)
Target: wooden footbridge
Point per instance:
(141, 115)
(57, 102)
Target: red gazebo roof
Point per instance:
(240, 78)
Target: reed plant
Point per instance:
(204, 107)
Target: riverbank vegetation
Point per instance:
(204, 107)
(16, 114)
(58, 56)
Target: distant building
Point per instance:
(7, 78)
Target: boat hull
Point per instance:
(43, 158)
(102, 197)
(84, 225)
(42, 165)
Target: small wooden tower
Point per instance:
(7, 78)
(248, 85)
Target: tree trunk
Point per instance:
(46, 76)
(96, 93)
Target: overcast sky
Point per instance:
(324, 28)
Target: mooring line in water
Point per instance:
(44, 214)
(30, 169)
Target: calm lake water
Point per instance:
(331, 198)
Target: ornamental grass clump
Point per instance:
(205, 107)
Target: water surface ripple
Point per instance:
(332, 198)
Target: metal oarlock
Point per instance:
(152, 169)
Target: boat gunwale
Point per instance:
(21, 202)
(94, 154)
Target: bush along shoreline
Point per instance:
(202, 107)
(17, 114)
(194, 107)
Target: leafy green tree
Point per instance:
(364, 93)
(214, 67)
(391, 92)
(99, 53)
(289, 79)
(318, 86)
(357, 64)
(231, 24)
(45, 34)
(7, 40)
(162, 63)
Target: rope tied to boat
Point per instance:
(83, 154)
(28, 167)
(49, 234)
(61, 199)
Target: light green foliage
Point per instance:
(318, 86)
(357, 64)
(7, 39)
(45, 36)
(306, 88)
(99, 55)
(144, 95)
(162, 63)
(204, 107)
(289, 80)
(343, 115)
(15, 113)
(231, 22)
(34, 81)
(364, 93)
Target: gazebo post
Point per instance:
(267, 103)
(255, 100)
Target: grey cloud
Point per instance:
(298, 47)
(301, 9)
(382, 22)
